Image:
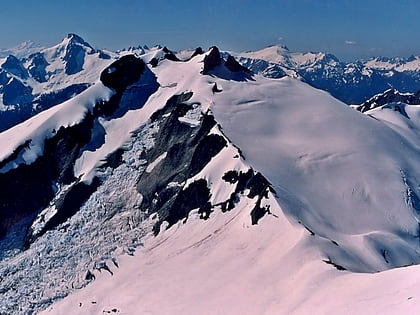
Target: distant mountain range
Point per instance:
(350, 82)
(33, 78)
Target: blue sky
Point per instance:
(347, 28)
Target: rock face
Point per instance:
(37, 67)
(15, 67)
(123, 72)
(75, 53)
(212, 60)
(36, 181)
(235, 66)
(390, 96)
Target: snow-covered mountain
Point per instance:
(388, 97)
(351, 82)
(186, 184)
(31, 83)
(23, 50)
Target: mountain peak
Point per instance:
(74, 39)
(274, 53)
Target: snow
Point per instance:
(22, 50)
(396, 64)
(281, 55)
(337, 172)
(159, 159)
(327, 184)
(44, 125)
(226, 266)
(274, 54)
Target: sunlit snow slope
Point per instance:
(346, 200)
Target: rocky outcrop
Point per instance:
(37, 67)
(235, 66)
(122, 73)
(16, 93)
(37, 181)
(15, 67)
(212, 60)
(390, 96)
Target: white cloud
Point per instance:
(280, 38)
(350, 42)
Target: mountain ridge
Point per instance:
(195, 166)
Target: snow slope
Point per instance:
(328, 165)
(44, 125)
(346, 188)
(225, 266)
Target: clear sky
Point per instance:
(347, 28)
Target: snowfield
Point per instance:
(343, 216)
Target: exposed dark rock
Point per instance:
(388, 97)
(338, 267)
(235, 66)
(184, 147)
(75, 59)
(123, 72)
(231, 177)
(196, 195)
(212, 60)
(16, 93)
(197, 51)
(169, 55)
(154, 62)
(206, 149)
(89, 276)
(35, 181)
(259, 186)
(37, 67)
(258, 212)
(215, 89)
(14, 66)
